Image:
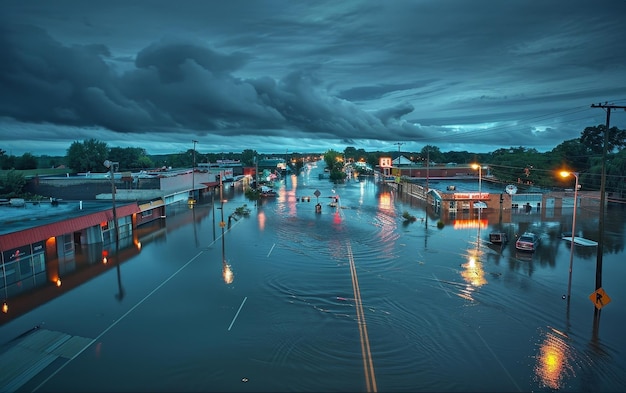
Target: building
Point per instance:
(41, 242)
(451, 203)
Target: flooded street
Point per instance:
(351, 299)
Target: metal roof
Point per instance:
(35, 234)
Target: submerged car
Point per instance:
(527, 242)
(498, 237)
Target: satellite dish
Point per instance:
(510, 189)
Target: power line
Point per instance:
(518, 124)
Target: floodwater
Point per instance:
(351, 299)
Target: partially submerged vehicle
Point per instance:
(527, 242)
(498, 237)
(267, 192)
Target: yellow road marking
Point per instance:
(368, 364)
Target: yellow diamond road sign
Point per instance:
(599, 298)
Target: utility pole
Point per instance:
(399, 144)
(603, 190)
(399, 169)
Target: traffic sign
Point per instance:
(599, 298)
(317, 193)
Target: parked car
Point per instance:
(527, 242)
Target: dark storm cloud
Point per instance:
(371, 73)
(174, 85)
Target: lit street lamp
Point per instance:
(571, 249)
(111, 165)
(480, 197)
(480, 176)
(192, 199)
(5, 303)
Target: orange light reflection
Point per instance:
(384, 201)
(553, 360)
(262, 218)
(473, 272)
(227, 273)
(465, 224)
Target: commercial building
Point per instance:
(43, 241)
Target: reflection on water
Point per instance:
(433, 323)
(473, 272)
(555, 359)
(261, 218)
(471, 223)
(384, 201)
(227, 273)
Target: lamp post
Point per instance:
(480, 177)
(5, 303)
(111, 165)
(222, 223)
(480, 197)
(571, 247)
(193, 174)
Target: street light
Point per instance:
(5, 303)
(111, 165)
(480, 197)
(571, 247)
(192, 199)
(480, 176)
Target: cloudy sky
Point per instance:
(302, 76)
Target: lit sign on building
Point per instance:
(471, 195)
(385, 162)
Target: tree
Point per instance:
(130, 157)
(460, 157)
(87, 156)
(6, 161)
(334, 162)
(350, 152)
(12, 185)
(26, 161)
(572, 154)
(522, 166)
(432, 153)
(247, 157)
(593, 138)
(333, 159)
(144, 162)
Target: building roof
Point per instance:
(402, 160)
(41, 226)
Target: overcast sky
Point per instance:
(294, 76)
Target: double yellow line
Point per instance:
(368, 364)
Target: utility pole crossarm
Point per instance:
(608, 106)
